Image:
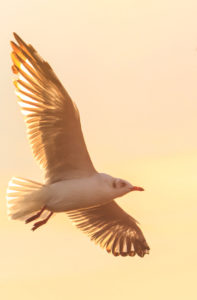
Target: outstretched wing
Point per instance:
(112, 228)
(52, 119)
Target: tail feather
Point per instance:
(24, 197)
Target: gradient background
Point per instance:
(131, 67)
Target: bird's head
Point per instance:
(122, 187)
(119, 187)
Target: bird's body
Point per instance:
(80, 193)
(72, 184)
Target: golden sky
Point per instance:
(131, 67)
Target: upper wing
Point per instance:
(112, 228)
(52, 119)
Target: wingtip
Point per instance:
(15, 34)
(18, 39)
(13, 45)
(11, 42)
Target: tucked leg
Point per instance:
(40, 223)
(32, 218)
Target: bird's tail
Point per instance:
(24, 197)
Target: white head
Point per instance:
(118, 187)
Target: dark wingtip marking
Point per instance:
(16, 36)
(141, 253)
(123, 253)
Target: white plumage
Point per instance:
(72, 184)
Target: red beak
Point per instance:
(137, 188)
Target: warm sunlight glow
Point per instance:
(21, 87)
(22, 78)
(24, 97)
(28, 62)
(131, 68)
(24, 69)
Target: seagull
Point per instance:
(72, 184)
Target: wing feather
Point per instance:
(52, 119)
(112, 228)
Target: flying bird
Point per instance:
(72, 184)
